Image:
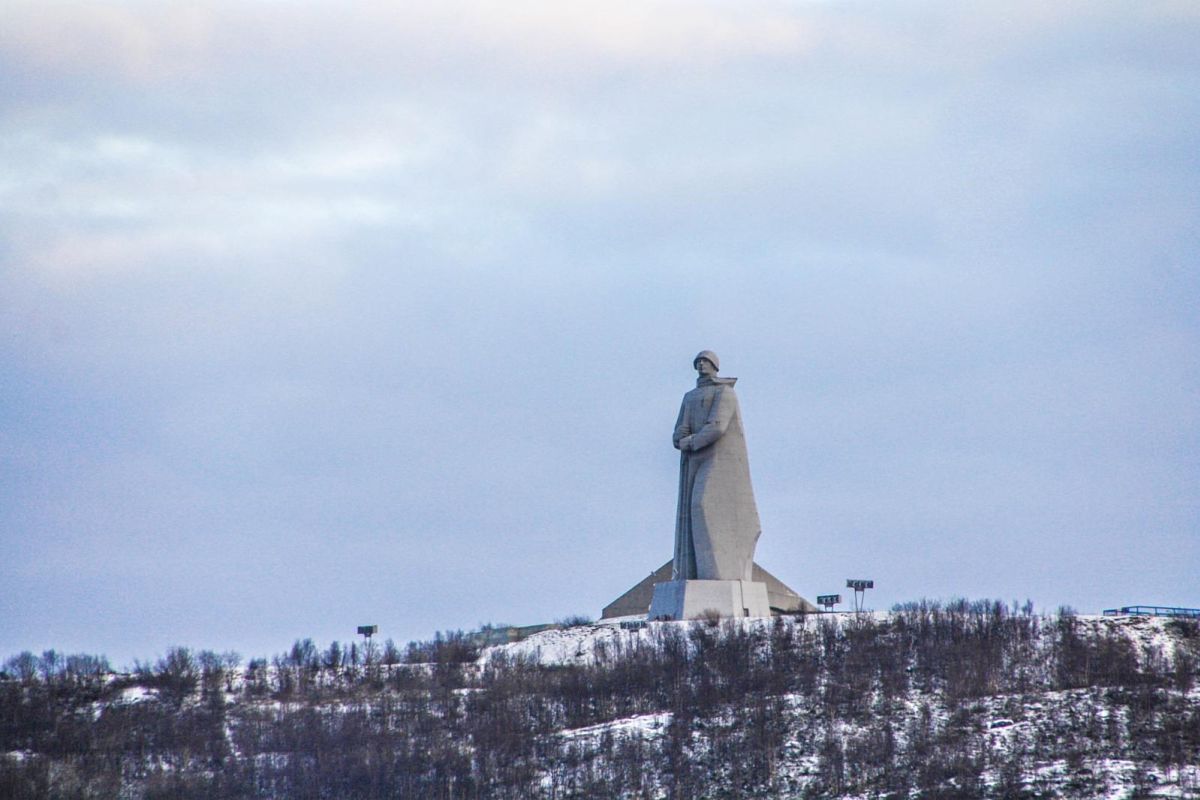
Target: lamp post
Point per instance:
(367, 631)
(828, 601)
(860, 587)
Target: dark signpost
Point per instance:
(828, 600)
(860, 587)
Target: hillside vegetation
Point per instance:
(932, 701)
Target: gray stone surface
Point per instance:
(782, 598)
(693, 599)
(716, 526)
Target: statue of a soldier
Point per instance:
(717, 525)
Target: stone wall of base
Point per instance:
(693, 599)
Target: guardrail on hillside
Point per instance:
(1153, 611)
(507, 634)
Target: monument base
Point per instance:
(693, 599)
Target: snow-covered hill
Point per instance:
(1105, 757)
(961, 700)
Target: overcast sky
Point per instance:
(322, 314)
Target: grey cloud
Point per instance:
(305, 316)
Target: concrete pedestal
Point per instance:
(691, 599)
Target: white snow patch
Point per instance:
(647, 725)
(591, 644)
(580, 645)
(136, 694)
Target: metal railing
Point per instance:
(1153, 611)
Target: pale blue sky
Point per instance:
(317, 314)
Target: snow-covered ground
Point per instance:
(1009, 723)
(1111, 751)
(646, 725)
(585, 644)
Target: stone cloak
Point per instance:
(717, 525)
